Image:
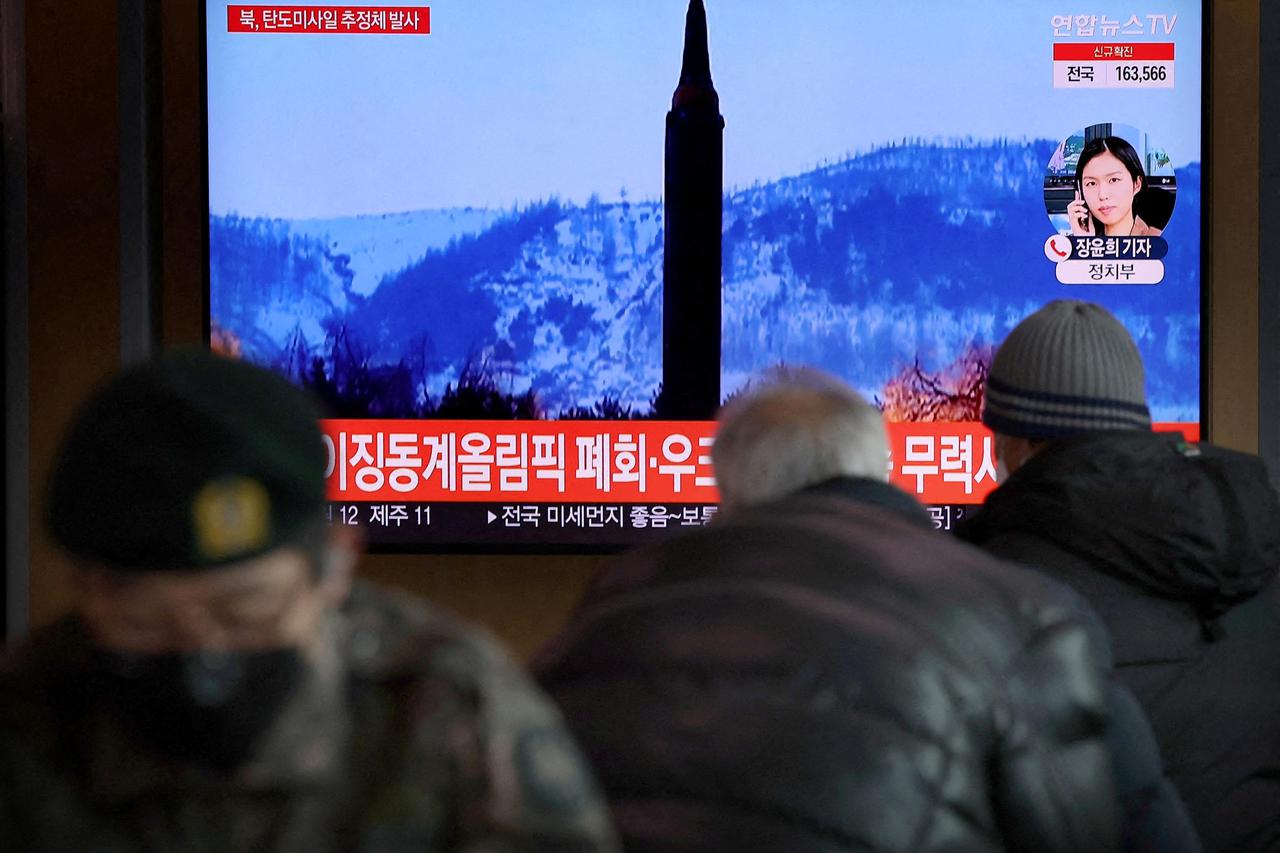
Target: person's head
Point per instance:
(1109, 177)
(1069, 369)
(794, 428)
(189, 495)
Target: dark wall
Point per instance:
(1233, 222)
(7, 164)
(1269, 250)
(73, 239)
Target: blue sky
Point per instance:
(509, 101)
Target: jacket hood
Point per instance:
(1190, 522)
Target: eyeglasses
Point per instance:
(216, 609)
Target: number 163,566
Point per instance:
(1141, 73)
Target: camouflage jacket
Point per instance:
(412, 733)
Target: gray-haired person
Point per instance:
(819, 670)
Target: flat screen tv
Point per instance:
(521, 251)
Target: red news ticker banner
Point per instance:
(405, 20)
(1136, 51)
(612, 461)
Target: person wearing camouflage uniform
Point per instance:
(222, 686)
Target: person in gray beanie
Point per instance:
(1176, 545)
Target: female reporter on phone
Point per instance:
(1109, 177)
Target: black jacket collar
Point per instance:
(878, 493)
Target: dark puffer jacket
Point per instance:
(826, 674)
(1176, 547)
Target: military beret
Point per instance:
(188, 461)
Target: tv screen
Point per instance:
(522, 250)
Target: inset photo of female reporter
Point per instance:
(1110, 180)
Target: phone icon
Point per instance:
(1057, 248)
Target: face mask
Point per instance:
(207, 708)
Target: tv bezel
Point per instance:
(499, 548)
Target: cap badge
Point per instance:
(232, 516)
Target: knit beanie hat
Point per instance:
(187, 462)
(1069, 368)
